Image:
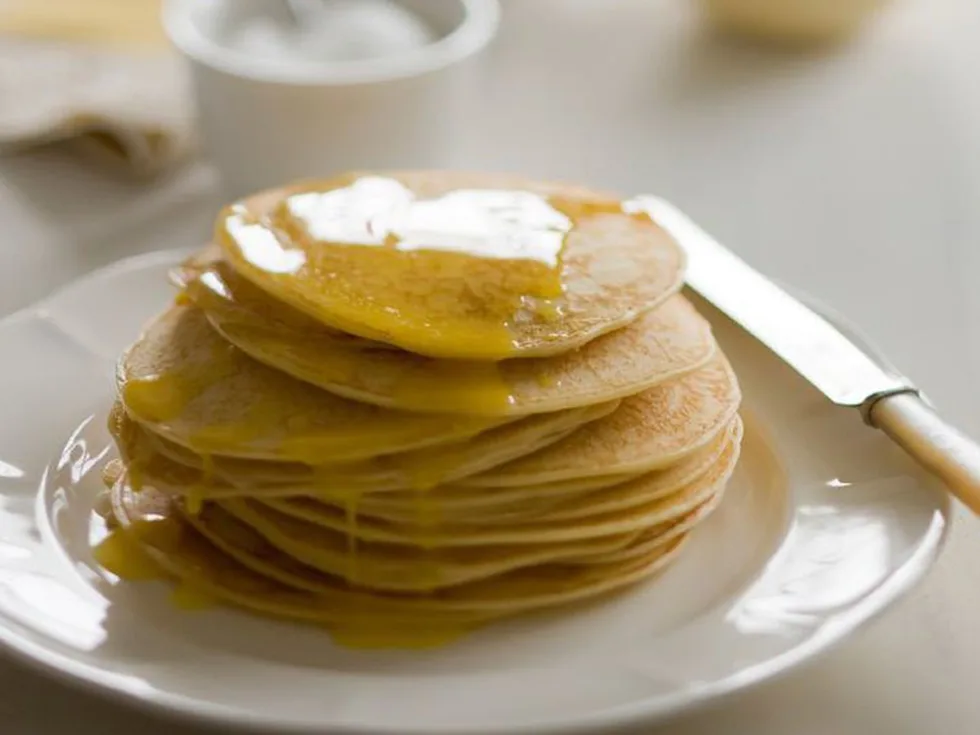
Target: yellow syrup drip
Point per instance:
(162, 397)
(458, 386)
(355, 620)
(156, 398)
(431, 470)
(135, 475)
(444, 275)
(282, 336)
(194, 497)
(425, 535)
(207, 439)
(194, 500)
(350, 516)
(188, 596)
(251, 425)
(120, 554)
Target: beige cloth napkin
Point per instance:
(96, 76)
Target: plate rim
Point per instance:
(89, 678)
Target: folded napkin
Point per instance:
(96, 76)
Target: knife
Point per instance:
(824, 356)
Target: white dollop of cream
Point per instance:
(319, 31)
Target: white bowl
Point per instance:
(266, 123)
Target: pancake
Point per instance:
(550, 489)
(186, 383)
(405, 566)
(648, 542)
(454, 504)
(191, 267)
(175, 470)
(664, 343)
(302, 520)
(251, 549)
(451, 265)
(646, 432)
(393, 567)
(657, 485)
(150, 525)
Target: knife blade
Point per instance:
(801, 337)
(820, 353)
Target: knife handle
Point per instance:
(943, 450)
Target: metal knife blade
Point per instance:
(805, 340)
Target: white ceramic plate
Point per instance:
(824, 525)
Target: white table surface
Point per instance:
(853, 175)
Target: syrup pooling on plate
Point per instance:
(458, 274)
(122, 555)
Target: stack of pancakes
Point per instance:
(403, 405)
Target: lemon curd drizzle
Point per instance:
(269, 330)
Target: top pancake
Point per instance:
(184, 382)
(661, 344)
(453, 265)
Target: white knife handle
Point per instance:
(946, 452)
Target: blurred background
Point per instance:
(835, 144)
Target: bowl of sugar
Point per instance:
(293, 89)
